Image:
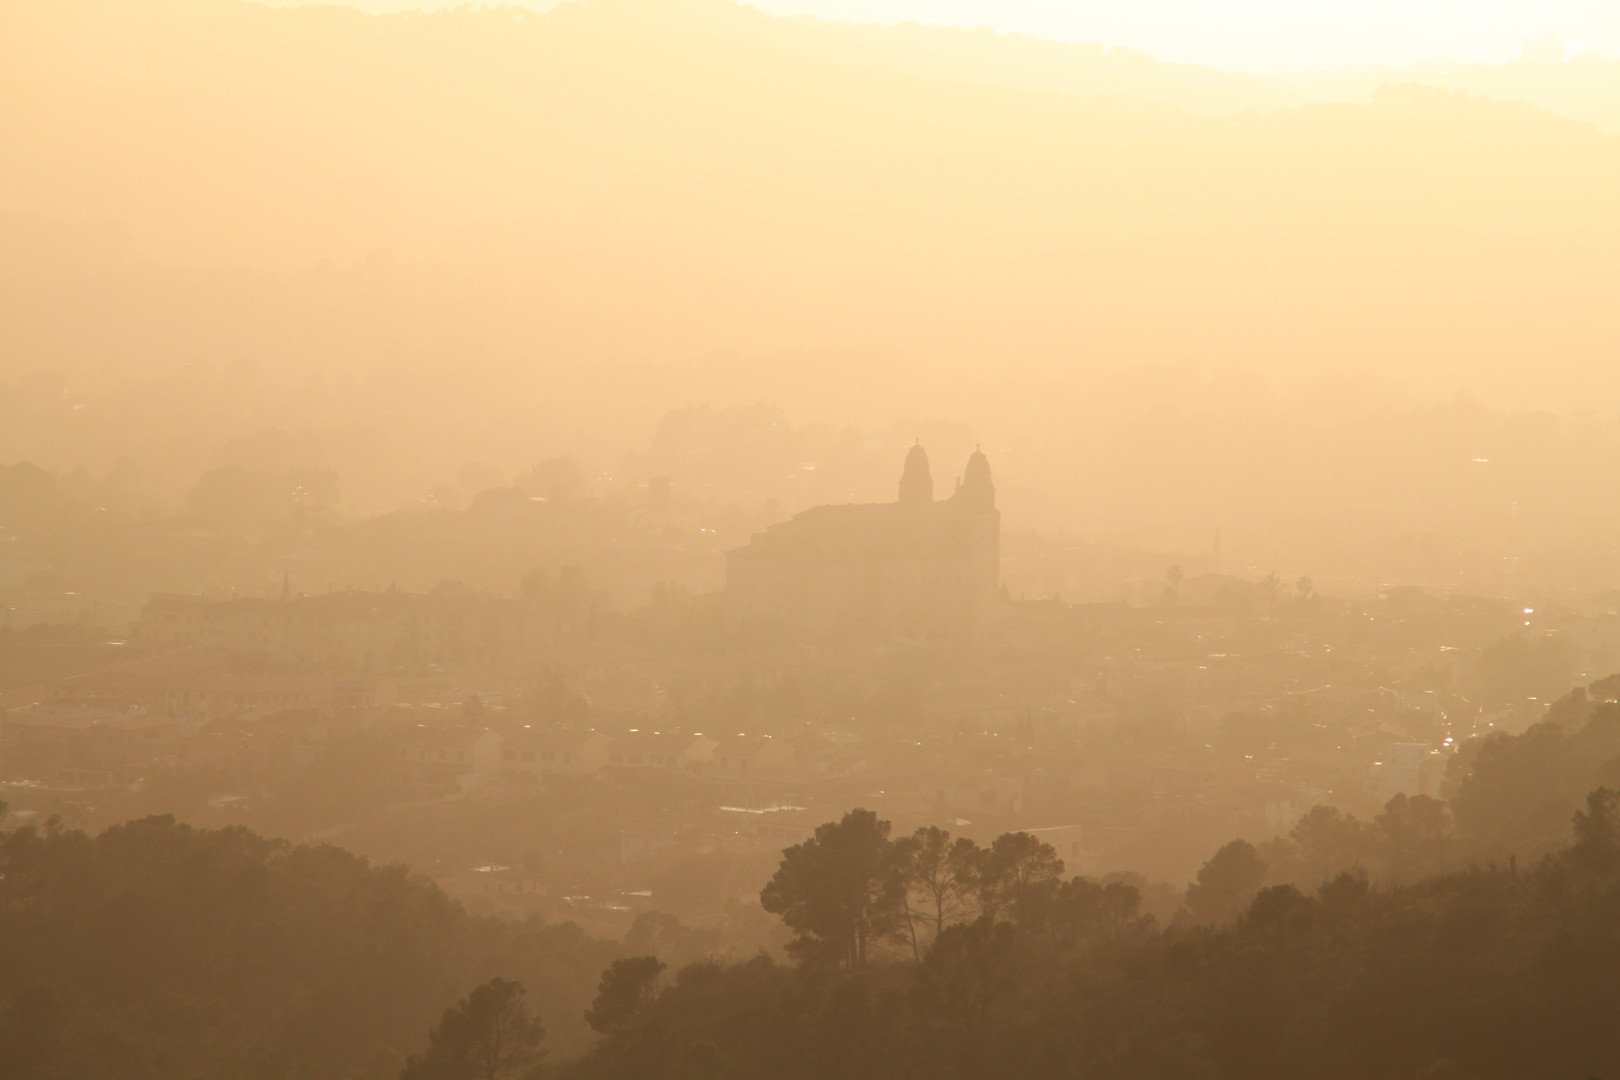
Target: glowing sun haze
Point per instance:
(1165, 298)
(1253, 35)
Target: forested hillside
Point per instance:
(1472, 937)
(1495, 971)
(159, 951)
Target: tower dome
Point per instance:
(977, 490)
(916, 482)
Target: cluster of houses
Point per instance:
(352, 628)
(753, 772)
(189, 706)
(263, 687)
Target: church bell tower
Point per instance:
(916, 482)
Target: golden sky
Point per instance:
(1167, 298)
(1247, 35)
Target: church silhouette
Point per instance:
(916, 567)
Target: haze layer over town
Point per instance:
(662, 538)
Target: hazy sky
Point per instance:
(1258, 35)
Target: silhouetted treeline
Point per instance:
(1420, 943)
(156, 950)
(1488, 972)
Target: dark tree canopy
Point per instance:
(157, 951)
(1489, 973)
(1226, 883)
(625, 992)
(840, 890)
(488, 1035)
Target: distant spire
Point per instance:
(977, 489)
(286, 581)
(916, 482)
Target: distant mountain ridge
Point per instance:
(458, 223)
(1586, 87)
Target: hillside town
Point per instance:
(536, 756)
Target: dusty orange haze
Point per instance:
(493, 236)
